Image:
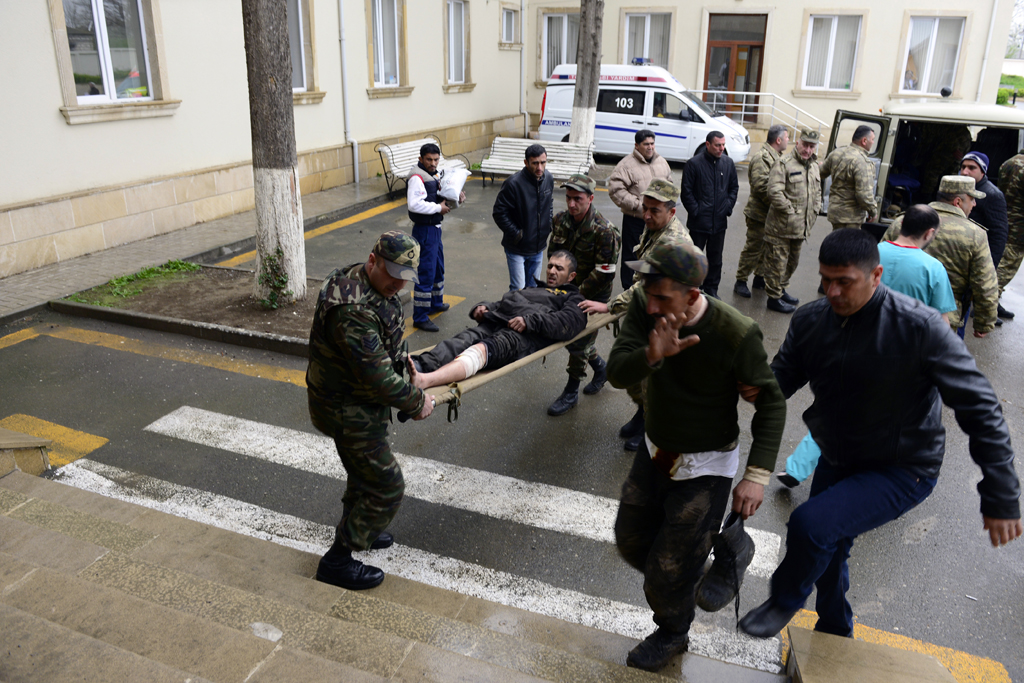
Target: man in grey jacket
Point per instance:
(523, 211)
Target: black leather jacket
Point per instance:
(523, 211)
(708, 192)
(879, 379)
(550, 312)
(990, 213)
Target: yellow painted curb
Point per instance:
(68, 444)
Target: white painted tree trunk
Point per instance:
(583, 121)
(279, 225)
(588, 73)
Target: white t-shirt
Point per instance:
(707, 463)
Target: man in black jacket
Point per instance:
(880, 365)
(990, 212)
(523, 211)
(524, 321)
(708, 194)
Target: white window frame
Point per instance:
(106, 62)
(831, 51)
(506, 12)
(378, 49)
(923, 78)
(302, 47)
(565, 42)
(647, 35)
(452, 57)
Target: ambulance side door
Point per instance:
(620, 114)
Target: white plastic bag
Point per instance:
(452, 182)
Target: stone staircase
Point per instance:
(95, 589)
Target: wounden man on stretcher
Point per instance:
(523, 322)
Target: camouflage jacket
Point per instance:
(851, 198)
(357, 357)
(961, 246)
(673, 233)
(1011, 182)
(794, 190)
(595, 244)
(757, 174)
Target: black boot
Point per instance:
(655, 651)
(1003, 313)
(339, 568)
(568, 400)
(741, 289)
(734, 550)
(780, 306)
(758, 282)
(634, 426)
(600, 368)
(633, 442)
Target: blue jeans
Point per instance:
(821, 533)
(523, 271)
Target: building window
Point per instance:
(509, 26)
(933, 51)
(831, 52)
(109, 57)
(385, 43)
(300, 39)
(456, 41)
(561, 40)
(647, 36)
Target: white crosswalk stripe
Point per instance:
(443, 572)
(540, 505)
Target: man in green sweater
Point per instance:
(698, 355)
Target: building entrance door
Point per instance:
(733, 64)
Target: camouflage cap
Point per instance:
(401, 254)
(959, 184)
(681, 262)
(580, 183)
(807, 135)
(662, 190)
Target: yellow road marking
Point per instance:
(450, 300)
(68, 444)
(965, 668)
(323, 230)
(18, 337)
(118, 343)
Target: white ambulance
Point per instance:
(631, 98)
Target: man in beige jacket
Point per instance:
(626, 184)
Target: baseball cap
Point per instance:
(580, 183)
(684, 263)
(401, 254)
(959, 184)
(662, 190)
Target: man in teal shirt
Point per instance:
(694, 352)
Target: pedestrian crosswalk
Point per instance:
(569, 512)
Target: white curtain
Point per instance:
(554, 47)
(635, 30)
(844, 52)
(657, 50)
(947, 46)
(917, 58)
(572, 40)
(817, 55)
(385, 42)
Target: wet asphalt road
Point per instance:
(910, 577)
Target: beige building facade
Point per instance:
(130, 118)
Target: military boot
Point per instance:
(655, 651)
(600, 368)
(568, 400)
(780, 305)
(758, 282)
(741, 289)
(789, 298)
(734, 550)
(634, 426)
(339, 568)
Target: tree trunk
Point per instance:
(280, 248)
(588, 72)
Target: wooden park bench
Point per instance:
(564, 158)
(399, 159)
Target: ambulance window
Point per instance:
(621, 102)
(670, 107)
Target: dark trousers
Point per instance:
(713, 244)
(666, 529)
(632, 229)
(428, 293)
(821, 532)
(503, 346)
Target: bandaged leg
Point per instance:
(466, 364)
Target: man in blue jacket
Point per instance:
(523, 210)
(708, 194)
(880, 365)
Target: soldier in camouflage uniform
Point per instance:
(357, 362)
(594, 241)
(757, 209)
(661, 226)
(961, 245)
(851, 198)
(794, 189)
(1011, 182)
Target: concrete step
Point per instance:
(23, 452)
(185, 570)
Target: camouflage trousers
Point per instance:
(581, 352)
(1009, 264)
(750, 257)
(375, 487)
(666, 529)
(780, 259)
(837, 225)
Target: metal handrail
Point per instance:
(763, 104)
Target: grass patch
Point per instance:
(127, 286)
(1010, 81)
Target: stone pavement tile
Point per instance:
(84, 501)
(46, 548)
(80, 525)
(287, 665)
(429, 665)
(13, 570)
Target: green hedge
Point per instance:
(1006, 80)
(1003, 96)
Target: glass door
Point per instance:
(733, 64)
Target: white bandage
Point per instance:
(473, 359)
